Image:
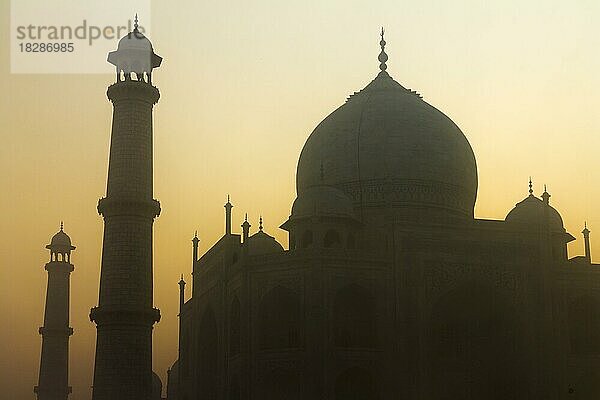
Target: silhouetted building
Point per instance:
(125, 314)
(54, 365)
(391, 288)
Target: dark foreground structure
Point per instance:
(391, 289)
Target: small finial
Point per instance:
(382, 56)
(228, 198)
(135, 22)
(246, 218)
(530, 187)
(61, 225)
(260, 225)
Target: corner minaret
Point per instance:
(228, 206)
(586, 239)
(53, 381)
(125, 315)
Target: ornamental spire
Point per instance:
(135, 23)
(260, 225)
(530, 187)
(382, 56)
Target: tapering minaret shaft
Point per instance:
(125, 314)
(53, 381)
(228, 206)
(586, 240)
(181, 293)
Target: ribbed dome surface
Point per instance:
(387, 147)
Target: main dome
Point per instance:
(386, 148)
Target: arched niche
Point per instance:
(354, 317)
(280, 319)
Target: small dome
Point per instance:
(322, 200)
(60, 241)
(261, 243)
(531, 213)
(135, 40)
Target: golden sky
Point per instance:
(243, 84)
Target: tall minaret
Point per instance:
(53, 382)
(125, 314)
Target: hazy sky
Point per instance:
(243, 84)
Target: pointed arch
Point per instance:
(354, 317)
(280, 319)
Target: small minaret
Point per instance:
(546, 196)
(195, 242)
(586, 239)
(53, 381)
(228, 206)
(181, 293)
(181, 284)
(246, 229)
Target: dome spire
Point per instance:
(135, 23)
(530, 187)
(260, 225)
(383, 57)
(61, 226)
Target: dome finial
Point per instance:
(61, 225)
(135, 22)
(530, 187)
(382, 56)
(260, 226)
